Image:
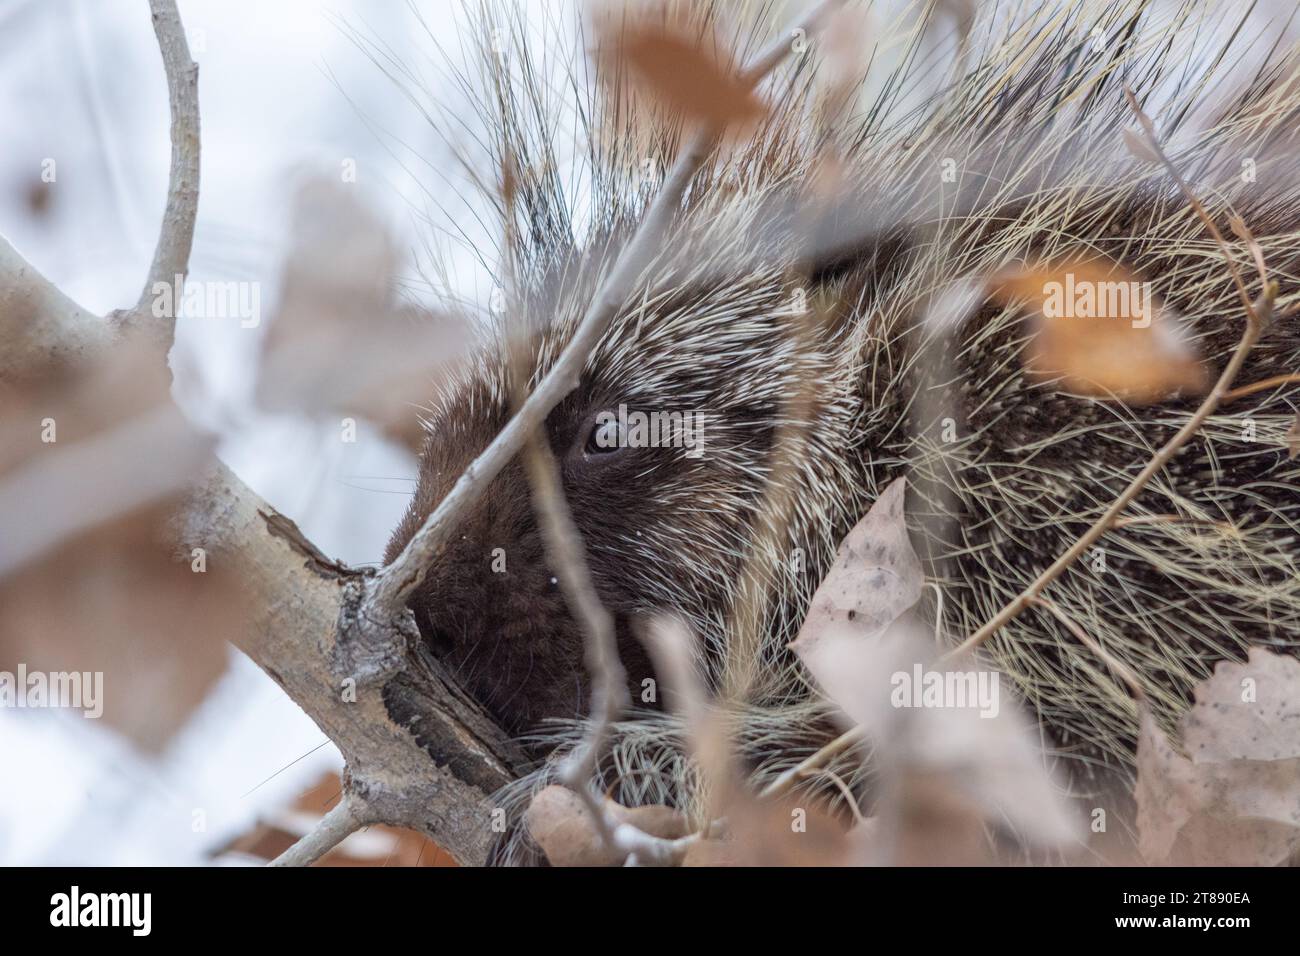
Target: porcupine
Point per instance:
(1035, 126)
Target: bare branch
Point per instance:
(811, 764)
(420, 753)
(39, 325)
(171, 256)
(1082, 636)
(1261, 386)
(335, 827)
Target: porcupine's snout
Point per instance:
(489, 606)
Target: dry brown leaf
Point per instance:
(930, 823)
(678, 62)
(713, 853)
(563, 827)
(1236, 802)
(88, 445)
(375, 845)
(1101, 331)
(340, 342)
(876, 576)
(786, 831)
(776, 831)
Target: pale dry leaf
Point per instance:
(1100, 330)
(113, 603)
(341, 342)
(876, 664)
(91, 463)
(92, 444)
(932, 721)
(875, 577)
(1293, 438)
(1247, 710)
(1236, 802)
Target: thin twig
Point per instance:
(566, 553)
(1149, 129)
(408, 569)
(567, 557)
(40, 326)
(331, 830)
(176, 238)
(812, 763)
(1260, 386)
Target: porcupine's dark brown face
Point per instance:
(663, 528)
(491, 607)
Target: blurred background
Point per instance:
(288, 90)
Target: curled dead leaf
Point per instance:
(562, 826)
(680, 61)
(1101, 331)
(962, 757)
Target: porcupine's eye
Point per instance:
(606, 435)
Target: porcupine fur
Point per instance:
(1034, 122)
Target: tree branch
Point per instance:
(171, 256)
(335, 827)
(419, 752)
(39, 325)
(609, 697)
